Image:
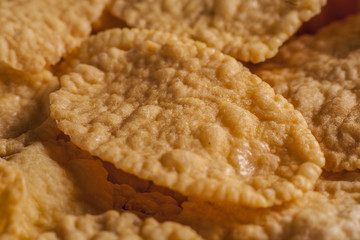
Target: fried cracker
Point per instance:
(319, 75)
(44, 194)
(327, 213)
(40, 184)
(36, 33)
(247, 30)
(112, 225)
(24, 101)
(186, 117)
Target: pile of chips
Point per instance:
(163, 119)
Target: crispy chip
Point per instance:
(186, 117)
(319, 75)
(139, 185)
(24, 102)
(247, 30)
(44, 188)
(112, 225)
(327, 214)
(37, 33)
(335, 182)
(11, 194)
(47, 152)
(40, 183)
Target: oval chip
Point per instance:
(187, 117)
(37, 33)
(247, 30)
(320, 76)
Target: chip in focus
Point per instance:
(186, 117)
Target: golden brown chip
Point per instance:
(112, 225)
(325, 214)
(250, 30)
(319, 75)
(37, 33)
(24, 101)
(187, 117)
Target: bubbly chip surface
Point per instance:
(186, 117)
(112, 225)
(37, 33)
(43, 193)
(248, 30)
(319, 75)
(330, 212)
(24, 101)
(40, 184)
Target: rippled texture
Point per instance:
(320, 76)
(36, 33)
(250, 30)
(187, 117)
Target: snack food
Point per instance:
(176, 98)
(327, 213)
(112, 225)
(43, 178)
(247, 30)
(24, 100)
(186, 117)
(39, 186)
(319, 75)
(35, 34)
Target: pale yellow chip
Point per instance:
(24, 101)
(327, 213)
(44, 177)
(43, 194)
(37, 33)
(40, 184)
(250, 30)
(320, 76)
(112, 225)
(187, 117)
(11, 195)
